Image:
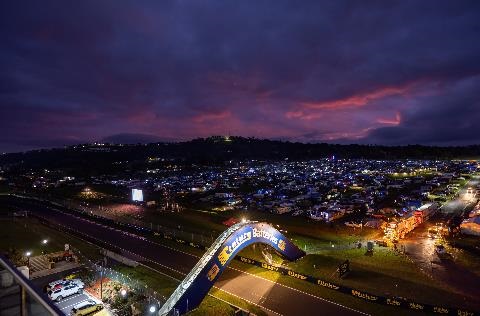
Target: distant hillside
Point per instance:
(220, 149)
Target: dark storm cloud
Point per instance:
(386, 71)
(448, 118)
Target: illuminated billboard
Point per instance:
(137, 195)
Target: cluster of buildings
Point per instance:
(398, 228)
(363, 192)
(323, 190)
(471, 225)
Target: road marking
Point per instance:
(74, 304)
(70, 298)
(244, 299)
(300, 291)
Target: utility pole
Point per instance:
(101, 283)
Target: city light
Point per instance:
(244, 220)
(152, 309)
(28, 253)
(123, 292)
(45, 241)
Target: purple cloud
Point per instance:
(387, 72)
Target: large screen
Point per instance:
(137, 195)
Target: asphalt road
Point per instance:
(274, 298)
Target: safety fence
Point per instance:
(389, 301)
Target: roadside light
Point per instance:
(45, 241)
(152, 309)
(123, 292)
(28, 253)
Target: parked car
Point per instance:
(85, 308)
(57, 294)
(60, 283)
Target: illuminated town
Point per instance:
(270, 158)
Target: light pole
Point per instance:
(101, 278)
(44, 243)
(101, 284)
(28, 254)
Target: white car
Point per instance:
(63, 282)
(57, 294)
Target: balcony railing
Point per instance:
(18, 297)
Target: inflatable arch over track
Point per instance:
(190, 293)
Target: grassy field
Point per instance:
(4, 188)
(27, 234)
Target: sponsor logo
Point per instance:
(227, 251)
(440, 310)
(365, 296)
(296, 275)
(394, 302)
(269, 267)
(247, 260)
(464, 313)
(327, 284)
(213, 272)
(415, 306)
(260, 233)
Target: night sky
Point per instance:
(384, 72)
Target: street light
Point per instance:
(102, 262)
(123, 292)
(152, 309)
(28, 253)
(45, 241)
